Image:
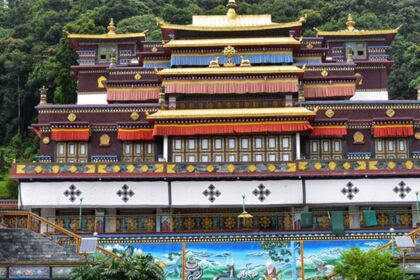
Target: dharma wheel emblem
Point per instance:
(229, 52)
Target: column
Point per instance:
(354, 216)
(298, 146)
(165, 148)
(111, 220)
(415, 217)
(49, 214)
(158, 219)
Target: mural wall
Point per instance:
(249, 260)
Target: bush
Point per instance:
(12, 188)
(370, 265)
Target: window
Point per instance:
(71, 152)
(326, 149)
(204, 144)
(218, 144)
(105, 52)
(178, 144)
(138, 152)
(245, 143)
(357, 49)
(191, 144)
(391, 148)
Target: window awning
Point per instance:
(135, 134)
(223, 128)
(393, 130)
(132, 94)
(329, 130)
(70, 134)
(329, 90)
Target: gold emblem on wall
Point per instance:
(154, 49)
(324, 73)
(390, 112)
(358, 138)
(104, 140)
(417, 135)
(72, 117)
(101, 81)
(329, 113)
(359, 79)
(137, 76)
(309, 46)
(134, 116)
(46, 140)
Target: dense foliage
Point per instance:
(130, 267)
(34, 50)
(370, 265)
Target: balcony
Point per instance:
(227, 222)
(290, 169)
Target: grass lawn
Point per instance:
(4, 193)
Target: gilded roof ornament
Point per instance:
(111, 27)
(350, 23)
(231, 14)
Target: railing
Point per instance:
(361, 167)
(35, 223)
(222, 222)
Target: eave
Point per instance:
(251, 70)
(232, 42)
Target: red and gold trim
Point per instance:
(133, 94)
(393, 130)
(230, 128)
(329, 90)
(329, 130)
(134, 134)
(70, 134)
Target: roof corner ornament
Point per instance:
(43, 95)
(111, 27)
(303, 18)
(350, 23)
(231, 14)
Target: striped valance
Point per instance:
(325, 90)
(234, 86)
(70, 134)
(132, 94)
(282, 57)
(177, 129)
(393, 130)
(135, 134)
(329, 131)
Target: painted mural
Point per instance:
(3, 272)
(61, 272)
(248, 260)
(29, 272)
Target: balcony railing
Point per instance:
(341, 167)
(222, 222)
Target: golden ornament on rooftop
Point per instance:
(46, 140)
(229, 52)
(134, 116)
(390, 112)
(329, 113)
(72, 117)
(111, 27)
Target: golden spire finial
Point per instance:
(231, 14)
(350, 23)
(111, 27)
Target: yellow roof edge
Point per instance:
(105, 36)
(232, 113)
(233, 42)
(357, 33)
(190, 27)
(232, 70)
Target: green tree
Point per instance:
(370, 265)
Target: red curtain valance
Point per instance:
(332, 130)
(70, 134)
(324, 91)
(230, 128)
(233, 86)
(133, 95)
(133, 134)
(393, 130)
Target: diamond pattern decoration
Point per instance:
(211, 192)
(402, 189)
(72, 193)
(350, 190)
(125, 193)
(261, 192)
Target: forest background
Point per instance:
(34, 50)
